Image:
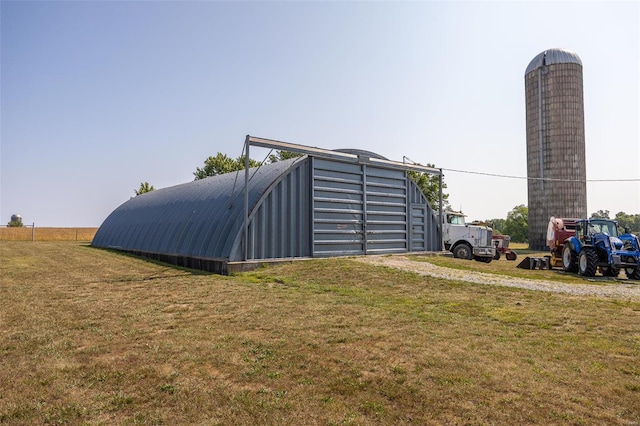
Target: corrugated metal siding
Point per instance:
(338, 208)
(279, 227)
(426, 234)
(386, 217)
(418, 220)
(199, 219)
(362, 209)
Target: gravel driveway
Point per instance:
(614, 289)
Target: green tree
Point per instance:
(430, 186)
(144, 187)
(630, 221)
(601, 214)
(517, 224)
(283, 155)
(15, 224)
(497, 225)
(221, 164)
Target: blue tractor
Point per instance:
(597, 245)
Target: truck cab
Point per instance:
(467, 241)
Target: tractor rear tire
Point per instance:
(633, 273)
(588, 262)
(497, 255)
(569, 259)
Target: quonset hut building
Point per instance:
(322, 204)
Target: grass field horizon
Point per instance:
(28, 233)
(90, 336)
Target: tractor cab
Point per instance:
(587, 230)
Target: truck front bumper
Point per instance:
(484, 251)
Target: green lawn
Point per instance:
(90, 336)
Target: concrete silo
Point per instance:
(555, 141)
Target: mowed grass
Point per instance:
(90, 336)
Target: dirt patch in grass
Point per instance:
(89, 336)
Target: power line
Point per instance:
(543, 179)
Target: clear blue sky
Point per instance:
(100, 96)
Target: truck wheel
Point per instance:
(497, 255)
(633, 273)
(569, 259)
(463, 251)
(588, 262)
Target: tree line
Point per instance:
(516, 225)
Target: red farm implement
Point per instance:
(501, 243)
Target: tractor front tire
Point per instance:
(588, 262)
(610, 271)
(633, 273)
(569, 259)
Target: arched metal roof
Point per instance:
(199, 219)
(325, 203)
(361, 152)
(553, 56)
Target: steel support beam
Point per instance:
(336, 155)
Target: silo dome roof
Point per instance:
(553, 56)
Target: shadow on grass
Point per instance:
(191, 271)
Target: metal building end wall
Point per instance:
(361, 209)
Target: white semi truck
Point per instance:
(467, 241)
